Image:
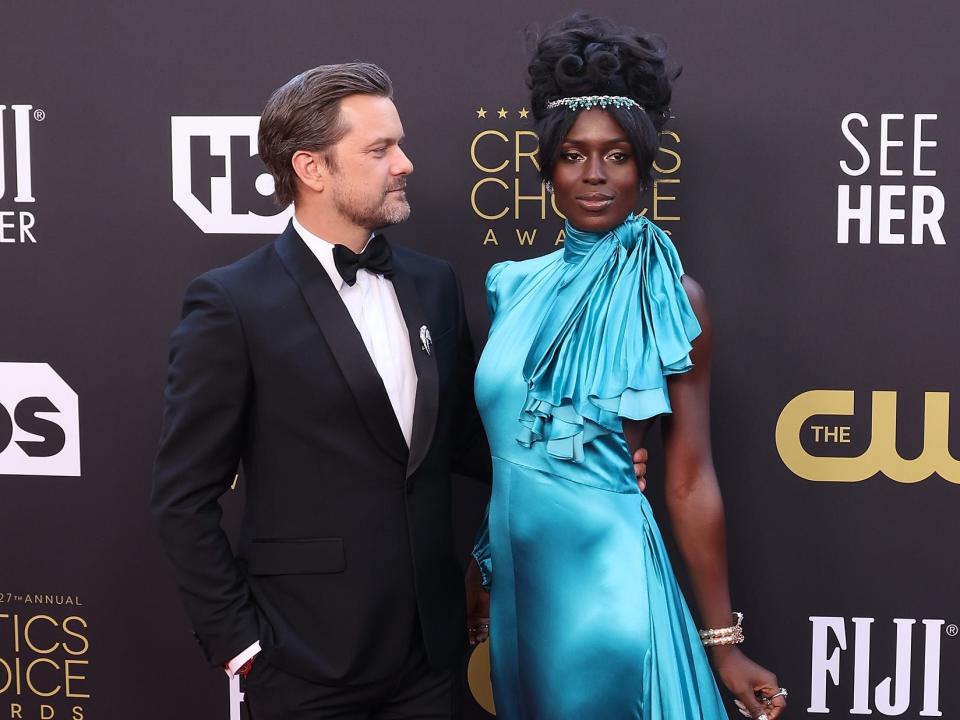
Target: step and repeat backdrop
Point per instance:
(809, 180)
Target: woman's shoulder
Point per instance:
(696, 295)
(695, 292)
(505, 278)
(521, 268)
(697, 298)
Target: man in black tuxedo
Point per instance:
(339, 372)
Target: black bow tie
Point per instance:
(376, 258)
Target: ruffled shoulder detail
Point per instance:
(620, 323)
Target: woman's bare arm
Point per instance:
(692, 491)
(696, 512)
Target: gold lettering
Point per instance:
(26, 634)
(526, 237)
(29, 677)
(15, 710)
(16, 631)
(77, 712)
(79, 636)
(667, 151)
(69, 677)
(553, 204)
(658, 198)
(473, 151)
(561, 237)
(473, 198)
(517, 197)
(532, 154)
(6, 685)
(491, 238)
(44, 709)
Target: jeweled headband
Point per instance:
(585, 102)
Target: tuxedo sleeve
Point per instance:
(206, 401)
(471, 456)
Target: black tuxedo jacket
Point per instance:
(346, 535)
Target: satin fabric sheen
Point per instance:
(586, 618)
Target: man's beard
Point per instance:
(375, 213)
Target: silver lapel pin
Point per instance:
(425, 341)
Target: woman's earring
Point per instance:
(549, 186)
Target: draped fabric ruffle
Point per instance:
(619, 324)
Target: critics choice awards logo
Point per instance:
(44, 665)
(39, 422)
(507, 197)
(17, 221)
(820, 437)
(218, 178)
(895, 201)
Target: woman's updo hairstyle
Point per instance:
(585, 55)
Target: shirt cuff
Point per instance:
(237, 663)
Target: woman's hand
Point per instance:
(753, 686)
(478, 605)
(640, 468)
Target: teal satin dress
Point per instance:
(586, 618)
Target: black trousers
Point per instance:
(417, 692)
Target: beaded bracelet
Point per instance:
(732, 635)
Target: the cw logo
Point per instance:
(881, 456)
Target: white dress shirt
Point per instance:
(373, 306)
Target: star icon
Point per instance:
(501, 113)
(524, 112)
(481, 113)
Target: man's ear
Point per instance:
(310, 168)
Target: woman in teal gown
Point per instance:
(588, 345)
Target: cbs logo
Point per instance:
(39, 422)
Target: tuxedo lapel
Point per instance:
(425, 407)
(344, 341)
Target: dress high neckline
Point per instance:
(578, 243)
(618, 322)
